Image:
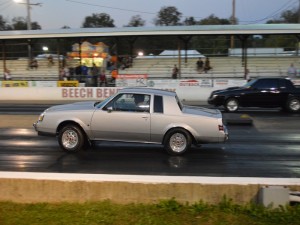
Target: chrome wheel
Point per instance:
(294, 105)
(69, 139)
(232, 105)
(178, 142)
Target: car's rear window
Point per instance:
(179, 103)
(158, 104)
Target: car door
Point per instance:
(264, 93)
(122, 120)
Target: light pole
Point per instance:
(28, 5)
(28, 20)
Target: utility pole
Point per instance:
(29, 27)
(299, 12)
(28, 5)
(233, 23)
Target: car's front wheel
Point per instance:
(231, 105)
(177, 141)
(71, 138)
(293, 104)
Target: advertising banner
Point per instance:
(132, 80)
(13, 83)
(68, 83)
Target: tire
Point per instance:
(231, 105)
(177, 141)
(71, 138)
(293, 105)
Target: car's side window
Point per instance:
(130, 102)
(158, 104)
(266, 84)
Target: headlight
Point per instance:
(214, 96)
(41, 117)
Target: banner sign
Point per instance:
(132, 80)
(12, 83)
(68, 83)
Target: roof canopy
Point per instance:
(151, 31)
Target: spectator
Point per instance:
(175, 72)
(7, 75)
(200, 65)
(102, 78)
(292, 71)
(50, 61)
(84, 70)
(207, 65)
(34, 64)
(94, 70)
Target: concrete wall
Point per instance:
(54, 187)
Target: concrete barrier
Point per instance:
(24, 187)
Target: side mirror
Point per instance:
(110, 109)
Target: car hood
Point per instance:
(229, 89)
(88, 105)
(201, 111)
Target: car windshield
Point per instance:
(100, 104)
(250, 83)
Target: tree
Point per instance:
(213, 20)
(136, 21)
(189, 21)
(168, 16)
(20, 23)
(289, 16)
(3, 24)
(98, 20)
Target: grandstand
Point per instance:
(20, 71)
(156, 68)
(223, 67)
(161, 68)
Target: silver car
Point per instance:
(140, 115)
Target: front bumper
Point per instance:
(35, 126)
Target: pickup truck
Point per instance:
(260, 92)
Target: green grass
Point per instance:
(168, 212)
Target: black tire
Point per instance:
(71, 138)
(293, 105)
(231, 105)
(177, 141)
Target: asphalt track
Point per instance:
(269, 147)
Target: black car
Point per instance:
(261, 92)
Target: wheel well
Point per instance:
(70, 122)
(231, 97)
(174, 128)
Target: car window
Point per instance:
(179, 102)
(130, 102)
(266, 84)
(158, 104)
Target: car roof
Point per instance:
(142, 90)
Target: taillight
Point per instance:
(221, 128)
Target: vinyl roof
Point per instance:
(151, 31)
(143, 90)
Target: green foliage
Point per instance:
(166, 212)
(136, 21)
(168, 16)
(98, 20)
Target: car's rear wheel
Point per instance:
(231, 105)
(177, 141)
(293, 104)
(71, 138)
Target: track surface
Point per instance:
(270, 147)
